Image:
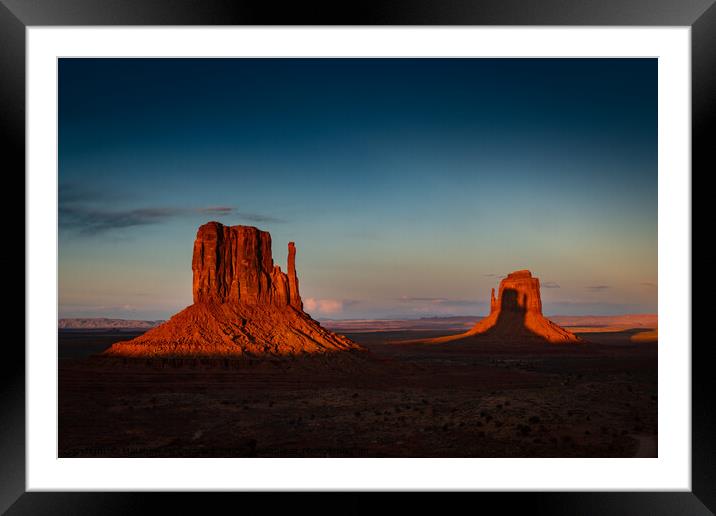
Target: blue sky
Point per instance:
(409, 185)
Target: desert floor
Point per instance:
(452, 400)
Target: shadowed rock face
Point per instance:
(517, 312)
(516, 315)
(244, 305)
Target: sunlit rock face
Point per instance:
(244, 305)
(517, 312)
(516, 315)
(234, 264)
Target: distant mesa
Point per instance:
(516, 315)
(104, 323)
(244, 305)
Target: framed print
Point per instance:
(414, 249)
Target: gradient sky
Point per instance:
(409, 185)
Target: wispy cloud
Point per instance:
(597, 288)
(80, 211)
(216, 210)
(256, 217)
(463, 302)
(575, 307)
(89, 221)
(549, 284)
(441, 301)
(407, 299)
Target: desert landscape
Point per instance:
(245, 372)
(364, 257)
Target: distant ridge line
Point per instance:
(97, 323)
(632, 320)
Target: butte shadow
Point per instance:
(244, 306)
(515, 317)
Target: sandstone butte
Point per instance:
(515, 316)
(244, 305)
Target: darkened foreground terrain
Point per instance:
(464, 399)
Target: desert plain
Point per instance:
(597, 399)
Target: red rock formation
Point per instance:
(234, 265)
(294, 296)
(244, 305)
(516, 315)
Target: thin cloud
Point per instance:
(216, 210)
(463, 302)
(89, 221)
(83, 210)
(648, 284)
(573, 307)
(406, 299)
(92, 221)
(550, 284)
(242, 215)
(256, 217)
(442, 301)
(597, 288)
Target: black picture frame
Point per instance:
(17, 15)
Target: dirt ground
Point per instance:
(452, 400)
